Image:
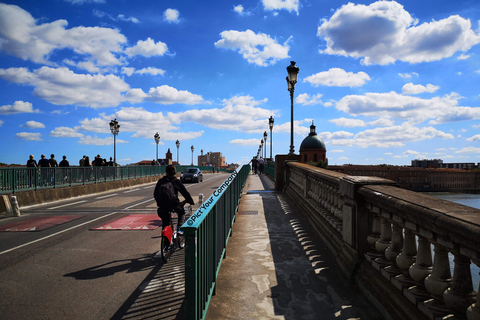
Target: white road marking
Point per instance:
(132, 190)
(108, 195)
(54, 234)
(68, 204)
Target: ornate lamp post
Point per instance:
(260, 150)
(292, 70)
(157, 140)
(270, 124)
(177, 143)
(265, 149)
(115, 128)
(192, 148)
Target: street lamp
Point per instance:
(260, 150)
(177, 143)
(292, 70)
(115, 128)
(270, 124)
(265, 139)
(192, 148)
(157, 140)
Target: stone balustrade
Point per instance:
(392, 243)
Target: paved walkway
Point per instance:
(275, 268)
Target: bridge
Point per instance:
(308, 241)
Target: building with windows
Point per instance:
(211, 159)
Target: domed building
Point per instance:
(313, 148)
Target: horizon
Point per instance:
(384, 82)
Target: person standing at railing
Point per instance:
(31, 163)
(43, 164)
(64, 164)
(260, 165)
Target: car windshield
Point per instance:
(192, 171)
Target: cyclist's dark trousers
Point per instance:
(166, 216)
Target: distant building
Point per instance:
(438, 163)
(167, 161)
(211, 159)
(313, 148)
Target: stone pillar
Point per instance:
(280, 160)
(460, 295)
(473, 312)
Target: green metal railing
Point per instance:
(270, 169)
(206, 236)
(22, 178)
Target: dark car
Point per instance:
(191, 175)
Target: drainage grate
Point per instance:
(248, 213)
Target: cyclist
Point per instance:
(164, 209)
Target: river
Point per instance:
(471, 200)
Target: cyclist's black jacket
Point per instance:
(178, 187)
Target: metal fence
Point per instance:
(206, 236)
(22, 178)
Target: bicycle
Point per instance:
(171, 239)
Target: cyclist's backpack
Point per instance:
(165, 196)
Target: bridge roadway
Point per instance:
(274, 269)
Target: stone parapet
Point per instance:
(383, 238)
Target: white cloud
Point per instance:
(171, 15)
(351, 123)
(474, 138)
(85, 1)
(61, 86)
(383, 32)
(306, 99)
(239, 113)
(469, 150)
(410, 88)
(147, 48)
(18, 107)
(89, 140)
(245, 142)
(33, 125)
(408, 75)
(336, 77)
(392, 105)
(29, 136)
(381, 123)
(152, 71)
(1, 122)
(169, 95)
(22, 37)
(290, 5)
(65, 132)
(463, 57)
(259, 49)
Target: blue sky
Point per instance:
(384, 81)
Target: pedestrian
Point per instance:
(87, 162)
(44, 163)
(81, 162)
(254, 162)
(260, 165)
(98, 161)
(53, 162)
(110, 163)
(213, 169)
(164, 209)
(31, 163)
(64, 162)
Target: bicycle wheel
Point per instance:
(165, 249)
(181, 241)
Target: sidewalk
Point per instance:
(275, 268)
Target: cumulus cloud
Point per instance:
(169, 95)
(392, 105)
(29, 136)
(290, 5)
(171, 15)
(18, 107)
(384, 32)
(336, 77)
(469, 150)
(306, 99)
(408, 75)
(61, 86)
(65, 132)
(259, 49)
(474, 138)
(33, 125)
(351, 123)
(245, 142)
(411, 88)
(147, 48)
(22, 37)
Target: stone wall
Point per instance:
(393, 244)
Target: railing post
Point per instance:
(473, 312)
(460, 295)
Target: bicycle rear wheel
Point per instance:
(181, 241)
(165, 249)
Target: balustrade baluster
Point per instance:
(460, 295)
(373, 237)
(418, 271)
(382, 244)
(473, 312)
(394, 250)
(437, 282)
(405, 259)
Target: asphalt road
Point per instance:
(69, 271)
